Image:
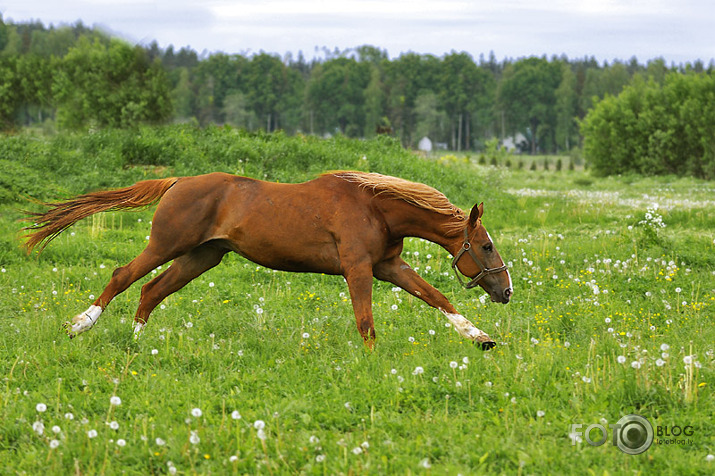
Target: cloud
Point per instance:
(605, 29)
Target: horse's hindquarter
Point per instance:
(313, 226)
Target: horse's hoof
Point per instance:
(67, 328)
(486, 344)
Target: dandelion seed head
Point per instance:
(41, 407)
(115, 400)
(196, 412)
(38, 427)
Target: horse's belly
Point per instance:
(294, 255)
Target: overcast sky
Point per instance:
(677, 30)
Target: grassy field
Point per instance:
(251, 371)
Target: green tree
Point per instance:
(36, 87)
(336, 95)
(463, 86)
(654, 129)
(405, 78)
(10, 91)
(527, 98)
(109, 85)
(431, 121)
(182, 95)
(237, 112)
(566, 99)
(601, 81)
(273, 91)
(374, 101)
(215, 78)
(3, 33)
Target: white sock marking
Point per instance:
(463, 326)
(138, 329)
(86, 320)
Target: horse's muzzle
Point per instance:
(504, 297)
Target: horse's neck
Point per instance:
(408, 220)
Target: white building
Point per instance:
(425, 144)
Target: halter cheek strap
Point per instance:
(467, 248)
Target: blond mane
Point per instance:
(417, 194)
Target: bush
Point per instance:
(652, 129)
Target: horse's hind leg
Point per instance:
(122, 278)
(184, 268)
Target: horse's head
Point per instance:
(479, 259)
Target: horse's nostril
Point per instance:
(507, 293)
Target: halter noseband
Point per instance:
(467, 247)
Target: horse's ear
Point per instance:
(476, 213)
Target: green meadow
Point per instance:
(251, 371)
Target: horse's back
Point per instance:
(294, 227)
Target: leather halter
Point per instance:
(467, 248)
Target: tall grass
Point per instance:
(247, 370)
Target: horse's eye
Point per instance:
(488, 247)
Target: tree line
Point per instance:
(76, 77)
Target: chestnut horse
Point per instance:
(343, 223)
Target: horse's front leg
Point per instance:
(359, 279)
(397, 272)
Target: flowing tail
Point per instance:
(60, 216)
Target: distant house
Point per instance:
(515, 143)
(425, 144)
